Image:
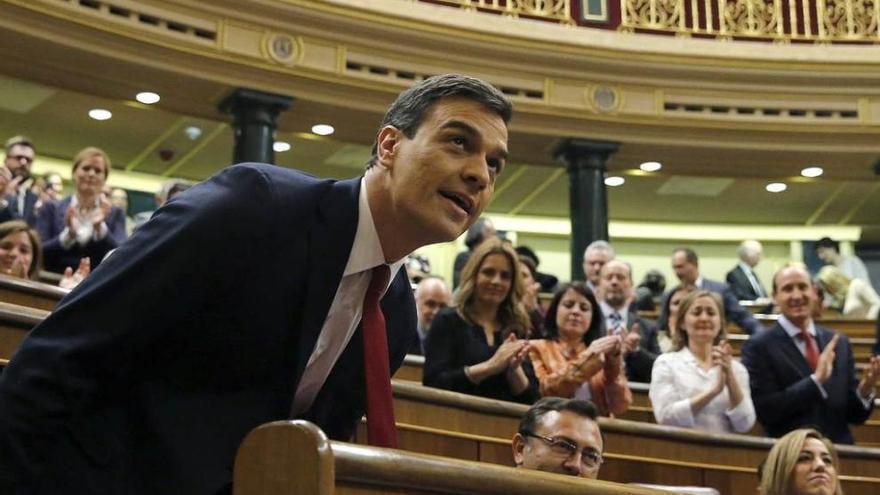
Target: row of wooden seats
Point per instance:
(295, 457)
(641, 410)
(723, 461)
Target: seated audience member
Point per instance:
(666, 335)
(802, 374)
(700, 385)
(595, 256)
(20, 253)
(639, 335)
(483, 229)
(852, 297)
(650, 291)
(742, 279)
(548, 282)
(84, 224)
(119, 198)
(166, 192)
(17, 201)
(530, 302)
(417, 268)
(560, 436)
(876, 351)
(432, 295)
(852, 266)
(573, 361)
(803, 462)
(686, 266)
(478, 347)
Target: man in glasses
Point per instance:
(560, 436)
(16, 198)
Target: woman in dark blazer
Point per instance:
(85, 224)
(479, 346)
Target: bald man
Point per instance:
(432, 295)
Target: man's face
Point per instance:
(794, 294)
(594, 260)
(432, 295)
(19, 161)
(537, 454)
(826, 254)
(615, 283)
(686, 271)
(443, 178)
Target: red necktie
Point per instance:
(380, 408)
(812, 353)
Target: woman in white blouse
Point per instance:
(700, 385)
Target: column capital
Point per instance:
(242, 98)
(570, 149)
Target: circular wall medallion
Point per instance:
(604, 98)
(283, 48)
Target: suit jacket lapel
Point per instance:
(789, 351)
(331, 236)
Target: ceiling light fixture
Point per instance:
(323, 129)
(812, 172)
(651, 166)
(100, 114)
(281, 146)
(147, 97)
(614, 181)
(776, 187)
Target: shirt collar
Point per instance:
(745, 267)
(366, 251)
(699, 282)
(607, 310)
(792, 330)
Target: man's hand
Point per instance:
(8, 183)
(632, 340)
(826, 360)
(869, 377)
(71, 279)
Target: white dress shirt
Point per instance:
(347, 306)
(677, 376)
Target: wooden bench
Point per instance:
(15, 322)
(444, 410)
(617, 468)
(29, 293)
(295, 457)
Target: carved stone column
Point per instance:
(254, 116)
(585, 160)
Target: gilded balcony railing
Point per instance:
(816, 20)
(553, 10)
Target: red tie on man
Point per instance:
(812, 353)
(380, 409)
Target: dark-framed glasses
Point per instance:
(590, 458)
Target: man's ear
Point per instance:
(518, 445)
(386, 145)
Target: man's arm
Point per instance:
(740, 315)
(103, 334)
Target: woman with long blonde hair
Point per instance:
(479, 346)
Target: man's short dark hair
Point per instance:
(408, 111)
(18, 141)
(689, 254)
(529, 253)
(827, 242)
(532, 417)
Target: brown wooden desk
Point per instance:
(444, 410)
(294, 457)
(15, 322)
(29, 293)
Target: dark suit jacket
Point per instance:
(740, 285)
(785, 396)
(11, 211)
(51, 223)
(640, 363)
(732, 310)
(148, 375)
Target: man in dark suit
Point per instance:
(232, 307)
(686, 266)
(742, 280)
(803, 375)
(17, 201)
(432, 295)
(640, 347)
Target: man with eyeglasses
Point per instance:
(16, 198)
(560, 436)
